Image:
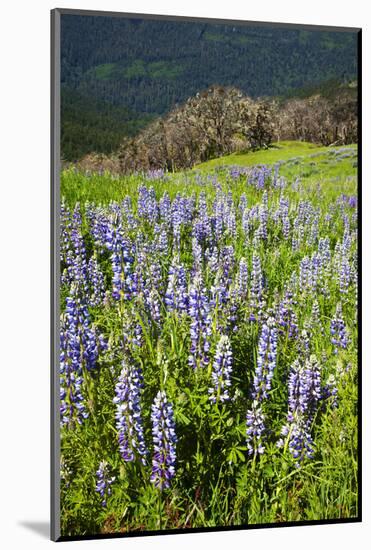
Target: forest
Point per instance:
(120, 74)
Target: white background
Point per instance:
(24, 271)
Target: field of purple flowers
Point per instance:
(208, 350)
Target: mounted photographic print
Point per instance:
(205, 274)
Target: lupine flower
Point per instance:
(345, 276)
(121, 260)
(103, 485)
(96, 282)
(223, 276)
(254, 429)
(242, 279)
(197, 255)
(305, 276)
(263, 217)
(339, 333)
(165, 208)
(127, 210)
(128, 413)
(153, 306)
(266, 361)
(304, 394)
(256, 293)
(242, 205)
(147, 204)
(161, 240)
(176, 298)
(200, 330)
(78, 353)
(164, 442)
(266, 364)
(75, 255)
(222, 369)
(287, 319)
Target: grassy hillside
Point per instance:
(297, 160)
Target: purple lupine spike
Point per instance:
(200, 329)
(78, 353)
(315, 323)
(313, 234)
(242, 283)
(137, 338)
(212, 260)
(104, 482)
(222, 370)
(266, 364)
(339, 333)
(231, 313)
(242, 205)
(305, 275)
(304, 387)
(75, 254)
(147, 204)
(286, 226)
(161, 240)
(96, 282)
(218, 219)
(72, 402)
(164, 442)
(231, 222)
(165, 209)
(128, 412)
(223, 276)
(344, 276)
(254, 429)
(201, 229)
(266, 360)
(256, 292)
(128, 215)
(287, 319)
(227, 262)
(263, 217)
(176, 298)
(132, 331)
(246, 221)
(122, 259)
(153, 306)
(155, 275)
(197, 255)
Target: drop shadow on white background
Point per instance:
(41, 528)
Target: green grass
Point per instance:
(306, 161)
(283, 151)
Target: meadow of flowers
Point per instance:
(208, 350)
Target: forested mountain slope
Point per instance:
(119, 73)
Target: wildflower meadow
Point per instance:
(208, 345)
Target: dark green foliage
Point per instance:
(127, 71)
(89, 124)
